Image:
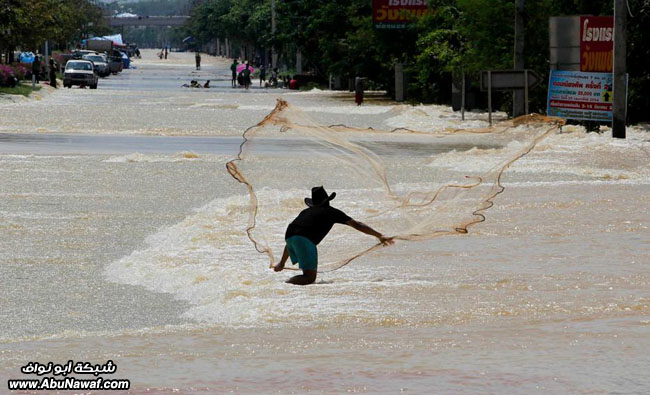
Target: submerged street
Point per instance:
(123, 237)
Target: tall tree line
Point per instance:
(27, 24)
(338, 37)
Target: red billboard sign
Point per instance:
(596, 43)
(394, 14)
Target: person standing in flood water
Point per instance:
(197, 58)
(52, 73)
(233, 69)
(358, 90)
(246, 74)
(309, 228)
(36, 69)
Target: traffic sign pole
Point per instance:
(518, 102)
(526, 91)
(620, 94)
(462, 99)
(489, 83)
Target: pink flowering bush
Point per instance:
(20, 71)
(6, 72)
(10, 75)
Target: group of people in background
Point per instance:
(243, 77)
(240, 77)
(196, 84)
(37, 70)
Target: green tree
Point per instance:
(28, 24)
(338, 37)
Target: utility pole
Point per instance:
(274, 55)
(518, 102)
(298, 61)
(620, 55)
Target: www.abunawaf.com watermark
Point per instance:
(53, 376)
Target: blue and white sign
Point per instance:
(580, 95)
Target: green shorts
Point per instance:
(303, 251)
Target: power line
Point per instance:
(628, 8)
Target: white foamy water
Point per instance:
(347, 110)
(142, 257)
(139, 157)
(207, 260)
(435, 118)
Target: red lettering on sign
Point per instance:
(596, 43)
(398, 11)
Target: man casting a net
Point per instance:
(309, 228)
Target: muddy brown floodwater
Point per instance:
(122, 237)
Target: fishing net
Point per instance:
(405, 183)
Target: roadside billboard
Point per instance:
(596, 43)
(580, 95)
(395, 14)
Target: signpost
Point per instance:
(584, 43)
(580, 95)
(399, 81)
(596, 43)
(509, 79)
(620, 64)
(506, 80)
(519, 101)
(591, 44)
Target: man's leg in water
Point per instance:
(303, 251)
(307, 277)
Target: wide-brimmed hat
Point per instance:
(319, 197)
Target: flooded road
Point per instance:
(54, 143)
(122, 237)
(150, 100)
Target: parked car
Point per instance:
(80, 72)
(80, 53)
(100, 64)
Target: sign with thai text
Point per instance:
(596, 43)
(395, 14)
(580, 95)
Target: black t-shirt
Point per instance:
(315, 222)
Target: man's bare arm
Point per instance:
(361, 227)
(283, 260)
